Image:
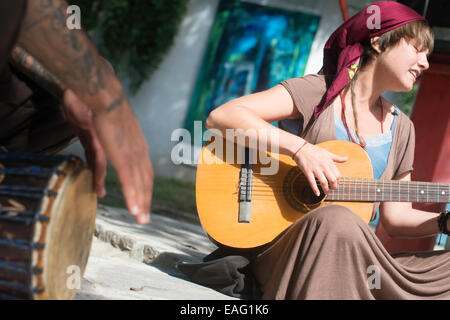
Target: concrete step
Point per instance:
(130, 261)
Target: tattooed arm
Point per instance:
(68, 54)
(74, 60)
(77, 114)
(34, 70)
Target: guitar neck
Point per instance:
(370, 190)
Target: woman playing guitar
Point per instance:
(327, 253)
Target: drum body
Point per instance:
(47, 221)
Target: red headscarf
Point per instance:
(344, 48)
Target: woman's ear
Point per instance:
(374, 42)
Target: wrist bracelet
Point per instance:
(442, 222)
(304, 144)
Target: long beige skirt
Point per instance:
(332, 254)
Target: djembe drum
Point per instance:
(47, 221)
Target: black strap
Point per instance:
(442, 222)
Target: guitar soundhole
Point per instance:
(308, 196)
(297, 191)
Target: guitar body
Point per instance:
(277, 200)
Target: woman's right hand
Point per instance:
(316, 162)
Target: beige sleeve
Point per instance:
(306, 92)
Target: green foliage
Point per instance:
(408, 100)
(134, 35)
(403, 100)
(174, 193)
(168, 193)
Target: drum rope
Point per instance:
(22, 244)
(33, 156)
(31, 171)
(18, 267)
(20, 287)
(27, 216)
(26, 192)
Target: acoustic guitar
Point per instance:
(241, 207)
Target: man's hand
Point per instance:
(128, 149)
(121, 137)
(80, 118)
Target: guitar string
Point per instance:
(342, 188)
(361, 193)
(351, 179)
(358, 190)
(358, 193)
(365, 194)
(341, 198)
(358, 182)
(355, 182)
(384, 183)
(362, 187)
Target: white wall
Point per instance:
(331, 18)
(162, 102)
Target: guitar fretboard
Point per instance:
(370, 190)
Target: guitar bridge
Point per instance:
(245, 189)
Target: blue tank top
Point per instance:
(378, 148)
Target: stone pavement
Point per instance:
(129, 261)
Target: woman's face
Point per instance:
(401, 65)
